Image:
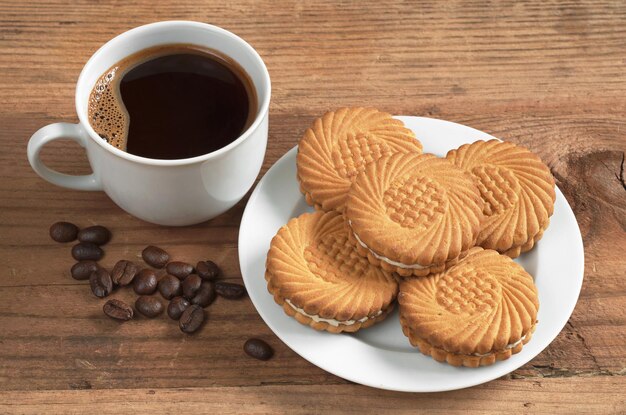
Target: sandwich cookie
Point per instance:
(414, 214)
(518, 193)
(339, 145)
(315, 274)
(482, 310)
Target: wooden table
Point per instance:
(548, 75)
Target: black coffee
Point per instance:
(172, 102)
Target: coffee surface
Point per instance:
(172, 102)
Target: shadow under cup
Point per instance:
(185, 191)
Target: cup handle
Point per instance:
(53, 132)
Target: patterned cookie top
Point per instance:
(415, 209)
(483, 304)
(517, 189)
(339, 145)
(313, 265)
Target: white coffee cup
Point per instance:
(165, 192)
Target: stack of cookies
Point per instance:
(436, 233)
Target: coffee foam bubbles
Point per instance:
(107, 114)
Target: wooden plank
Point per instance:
(385, 52)
(553, 396)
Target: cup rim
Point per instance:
(262, 112)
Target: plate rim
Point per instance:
(241, 235)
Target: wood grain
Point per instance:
(553, 396)
(545, 74)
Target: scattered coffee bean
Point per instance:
(230, 290)
(205, 295)
(207, 270)
(170, 287)
(63, 231)
(82, 269)
(179, 269)
(87, 251)
(145, 282)
(118, 310)
(176, 307)
(149, 306)
(98, 235)
(191, 285)
(155, 256)
(258, 349)
(123, 272)
(101, 283)
(191, 319)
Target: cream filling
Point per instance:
(383, 258)
(332, 321)
(507, 347)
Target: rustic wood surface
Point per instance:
(549, 75)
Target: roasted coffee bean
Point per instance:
(118, 310)
(149, 306)
(155, 256)
(205, 295)
(82, 269)
(258, 349)
(176, 307)
(145, 282)
(87, 251)
(230, 290)
(98, 235)
(170, 287)
(124, 272)
(101, 283)
(191, 285)
(207, 270)
(191, 319)
(63, 231)
(179, 269)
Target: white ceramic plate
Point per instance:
(381, 356)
